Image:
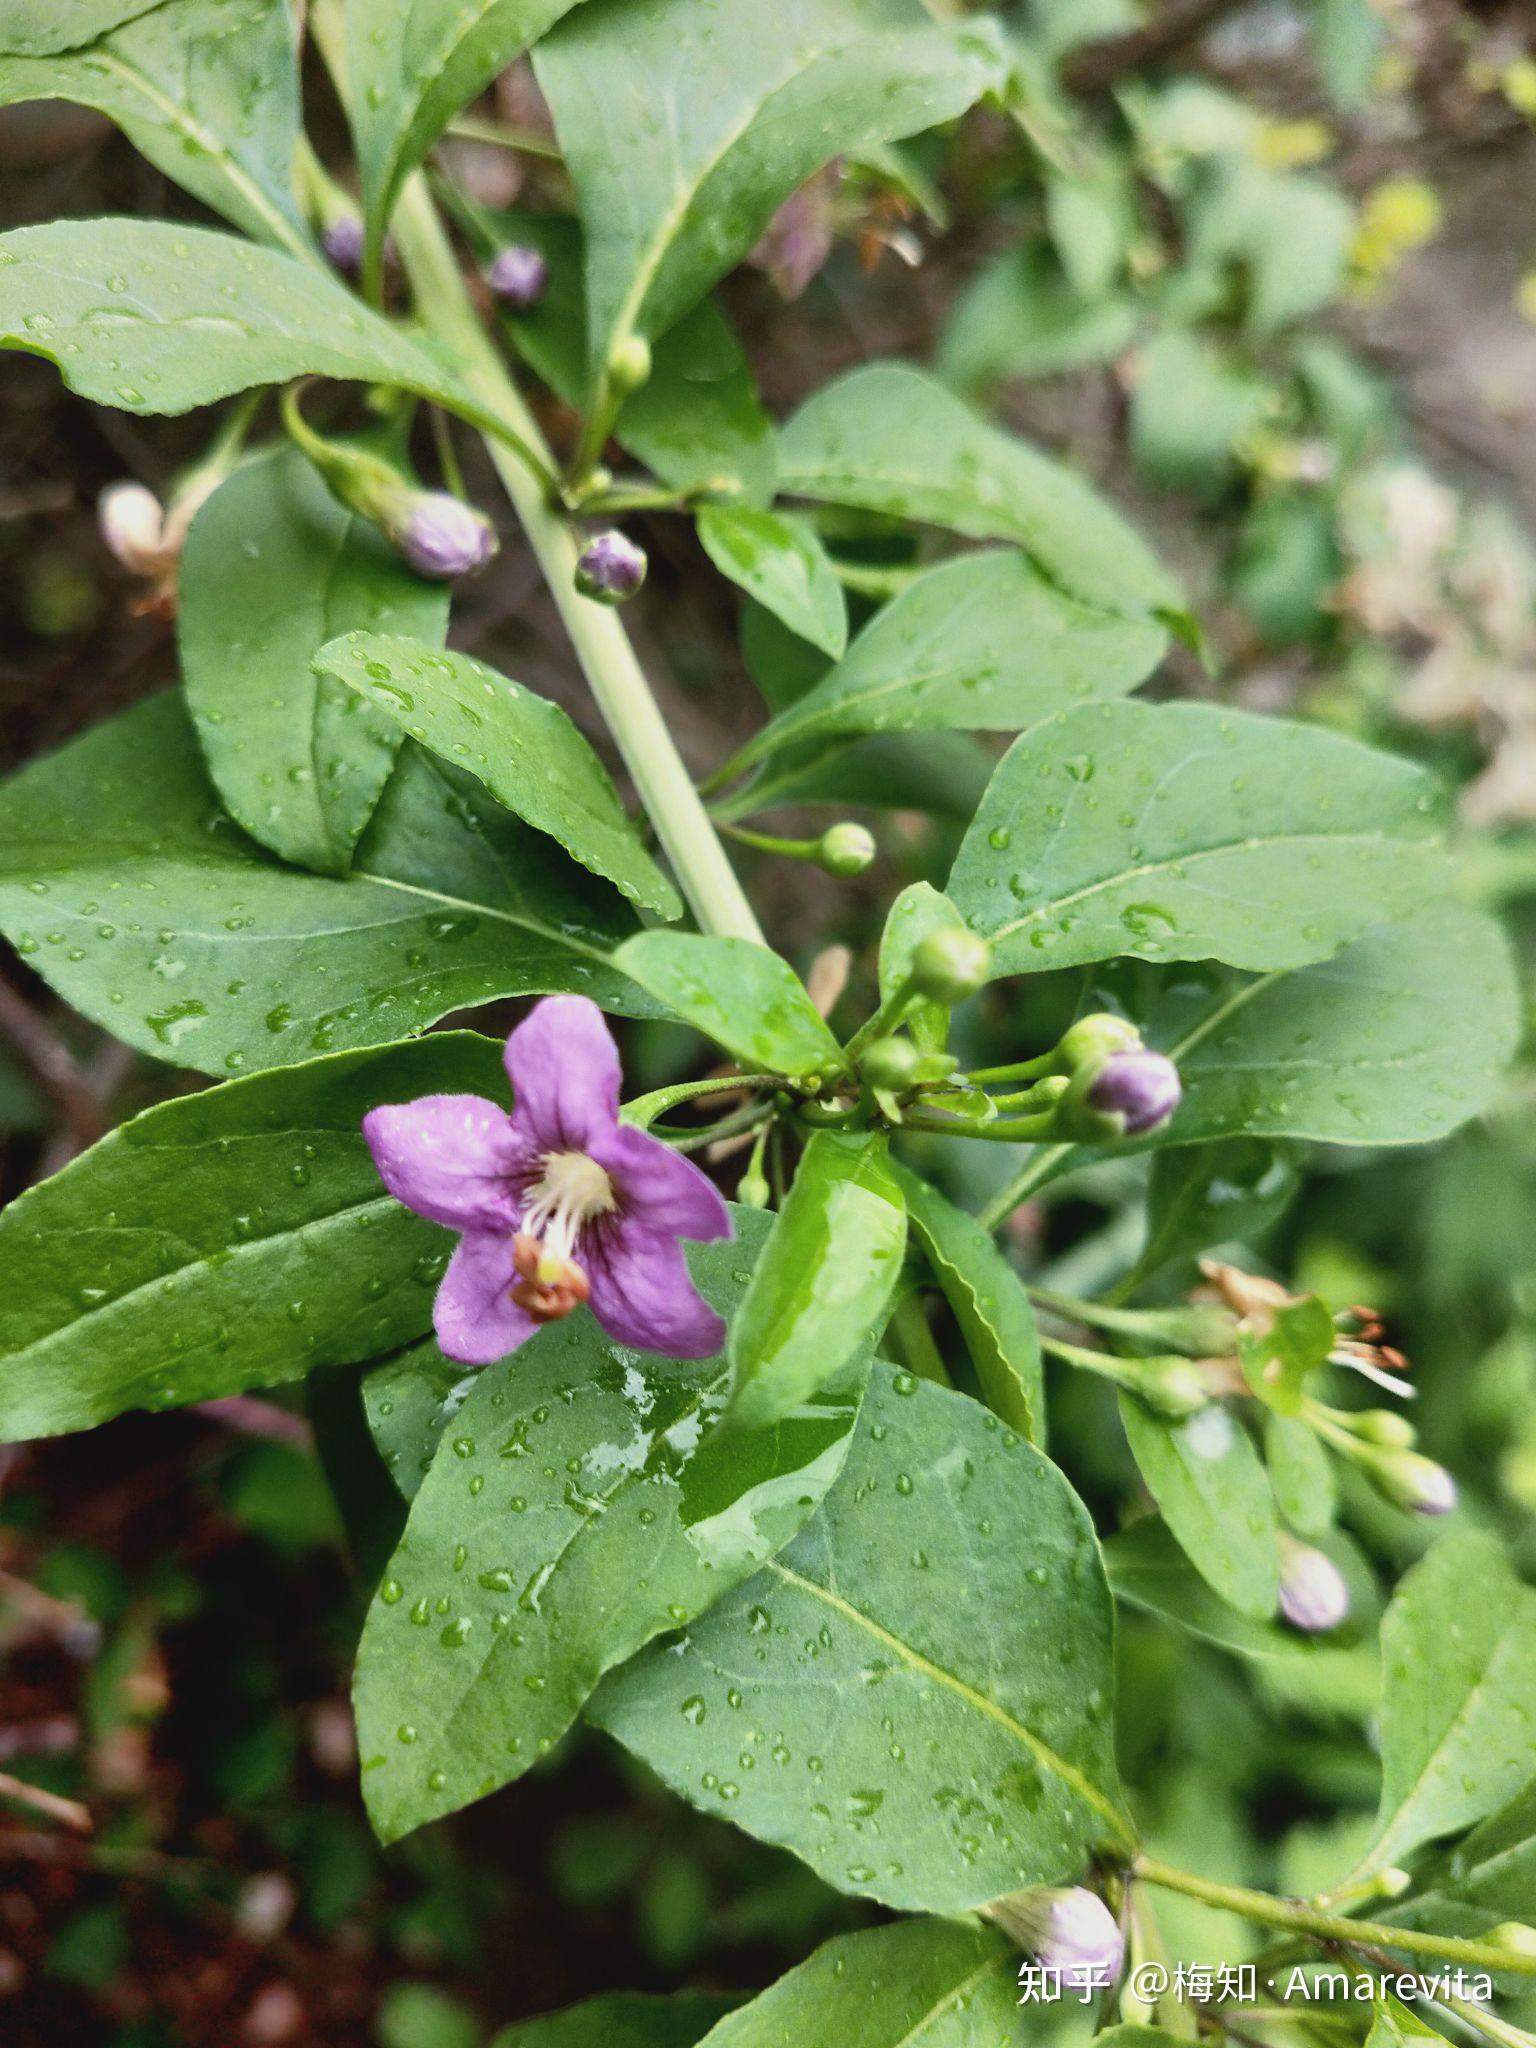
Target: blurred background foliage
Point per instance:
(1268, 273)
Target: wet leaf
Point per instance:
(412, 65)
(983, 643)
(622, 2019)
(780, 561)
(272, 569)
(1458, 1647)
(947, 1983)
(823, 1285)
(1306, 1492)
(152, 317)
(519, 746)
(895, 440)
(990, 1305)
(123, 883)
(579, 1504)
(1200, 1197)
(1489, 1878)
(923, 1676)
(231, 1239)
(1214, 1493)
(1187, 832)
(409, 1400)
(683, 127)
(208, 90)
(739, 994)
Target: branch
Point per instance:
(53, 1066)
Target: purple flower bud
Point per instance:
(1065, 1928)
(342, 241)
(611, 568)
(1142, 1087)
(442, 537)
(519, 277)
(1419, 1484)
(1313, 1595)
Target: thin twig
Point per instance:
(53, 1066)
(68, 1812)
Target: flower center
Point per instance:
(572, 1190)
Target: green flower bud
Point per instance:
(1385, 1426)
(951, 964)
(1392, 1882)
(1093, 1039)
(1515, 1936)
(629, 366)
(845, 850)
(752, 1190)
(1171, 1387)
(891, 1063)
(1410, 1481)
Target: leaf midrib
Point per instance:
(1041, 1750)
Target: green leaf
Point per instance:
(1200, 1197)
(516, 744)
(41, 28)
(300, 763)
(1148, 1570)
(208, 90)
(990, 1305)
(1490, 1878)
(1214, 1493)
(152, 317)
(1279, 1359)
(983, 643)
(941, 773)
(409, 1400)
(1190, 411)
(1188, 832)
(919, 910)
(1458, 1650)
(1397, 2025)
(126, 887)
(225, 1240)
(579, 1505)
(821, 1290)
(947, 1983)
(1288, 236)
(683, 127)
(781, 562)
(623, 2019)
(412, 64)
(923, 1676)
(1397, 1040)
(893, 440)
(1301, 1475)
(697, 422)
(737, 993)
(1023, 318)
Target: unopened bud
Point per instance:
(1092, 1039)
(519, 276)
(342, 240)
(629, 365)
(1142, 1089)
(890, 1063)
(845, 850)
(951, 964)
(440, 536)
(1067, 1929)
(610, 568)
(1513, 1935)
(132, 522)
(1413, 1482)
(752, 1190)
(1385, 1426)
(1313, 1595)
(1171, 1387)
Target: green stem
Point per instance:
(1294, 1916)
(1121, 1372)
(747, 1118)
(1024, 1130)
(1037, 1169)
(916, 1341)
(886, 1018)
(645, 1109)
(602, 646)
(1021, 1070)
(768, 842)
(524, 140)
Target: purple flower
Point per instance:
(1142, 1087)
(442, 537)
(342, 241)
(1067, 1929)
(611, 568)
(519, 277)
(556, 1204)
(1313, 1595)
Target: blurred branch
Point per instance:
(1097, 66)
(53, 1066)
(68, 1812)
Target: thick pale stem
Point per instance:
(602, 646)
(1297, 1917)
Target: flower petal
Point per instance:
(565, 1073)
(475, 1317)
(643, 1294)
(661, 1188)
(450, 1158)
